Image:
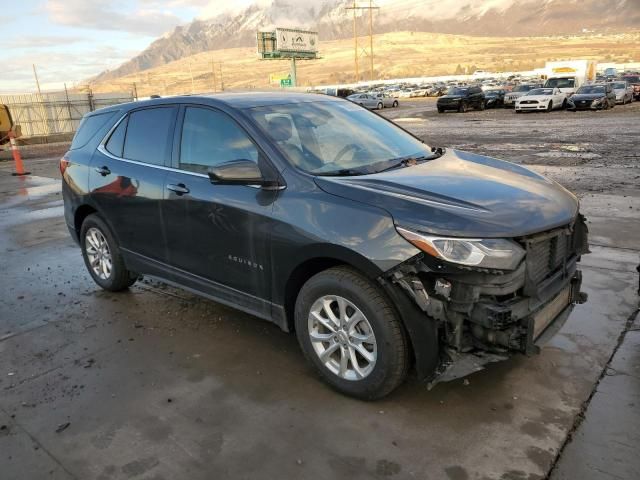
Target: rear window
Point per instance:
(89, 126)
(149, 134)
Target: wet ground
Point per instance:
(155, 383)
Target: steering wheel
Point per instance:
(345, 149)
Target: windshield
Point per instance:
(541, 91)
(336, 138)
(620, 85)
(632, 79)
(493, 93)
(523, 88)
(591, 89)
(457, 91)
(569, 82)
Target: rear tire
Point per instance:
(380, 106)
(365, 369)
(102, 256)
(395, 104)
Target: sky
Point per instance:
(71, 40)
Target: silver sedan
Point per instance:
(623, 91)
(368, 100)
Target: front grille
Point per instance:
(528, 102)
(548, 252)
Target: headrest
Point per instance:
(280, 128)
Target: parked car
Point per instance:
(367, 100)
(593, 97)
(461, 99)
(519, 90)
(311, 212)
(623, 91)
(634, 81)
(494, 98)
(387, 100)
(541, 99)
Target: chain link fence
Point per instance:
(51, 116)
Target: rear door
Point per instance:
(218, 235)
(127, 179)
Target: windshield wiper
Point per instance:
(345, 172)
(413, 160)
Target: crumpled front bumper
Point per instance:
(484, 316)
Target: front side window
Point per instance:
(336, 138)
(149, 134)
(209, 138)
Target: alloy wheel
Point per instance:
(342, 337)
(98, 253)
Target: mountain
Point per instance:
(517, 18)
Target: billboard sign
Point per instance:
(293, 40)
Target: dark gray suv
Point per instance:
(381, 253)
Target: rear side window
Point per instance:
(89, 126)
(115, 144)
(149, 134)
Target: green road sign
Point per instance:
(285, 82)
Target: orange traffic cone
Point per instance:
(16, 156)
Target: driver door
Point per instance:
(218, 236)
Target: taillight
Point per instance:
(64, 163)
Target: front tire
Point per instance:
(351, 334)
(395, 104)
(550, 106)
(102, 256)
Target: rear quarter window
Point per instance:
(89, 126)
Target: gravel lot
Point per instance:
(156, 383)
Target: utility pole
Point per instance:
(191, 73)
(35, 74)
(221, 79)
(213, 73)
(357, 54)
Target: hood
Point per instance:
(576, 97)
(534, 97)
(450, 97)
(462, 194)
(515, 94)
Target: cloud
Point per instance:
(44, 41)
(116, 16)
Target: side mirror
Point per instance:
(236, 172)
(241, 172)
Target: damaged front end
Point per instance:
(483, 315)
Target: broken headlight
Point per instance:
(496, 253)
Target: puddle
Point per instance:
(570, 154)
(408, 119)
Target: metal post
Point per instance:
(90, 98)
(221, 79)
(293, 72)
(66, 94)
(135, 91)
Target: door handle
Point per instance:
(179, 189)
(104, 171)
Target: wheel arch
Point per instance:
(82, 212)
(325, 257)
